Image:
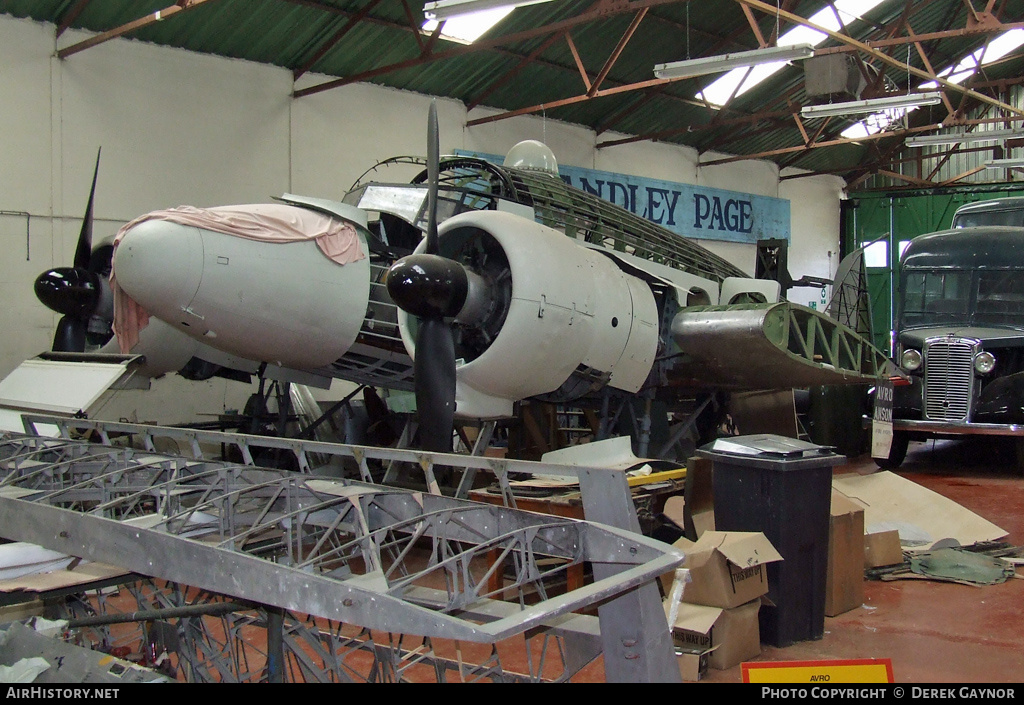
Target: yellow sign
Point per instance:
(870, 670)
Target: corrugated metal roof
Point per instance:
(528, 61)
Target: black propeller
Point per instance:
(432, 288)
(77, 292)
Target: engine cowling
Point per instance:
(545, 315)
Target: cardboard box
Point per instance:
(882, 548)
(730, 636)
(693, 665)
(844, 582)
(699, 510)
(727, 568)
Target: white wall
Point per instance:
(181, 128)
(815, 248)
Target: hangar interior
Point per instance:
(138, 107)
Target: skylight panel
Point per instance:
(719, 91)
(958, 73)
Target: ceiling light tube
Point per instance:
(958, 137)
(1004, 163)
(726, 62)
(446, 9)
(871, 105)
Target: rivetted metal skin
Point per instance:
(281, 303)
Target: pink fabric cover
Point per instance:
(267, 222)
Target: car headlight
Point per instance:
(911, 360)
(984, 362)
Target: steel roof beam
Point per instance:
(846, 48)
(605, 9)
(717, 46)
(129, 27)
(333, 41)
(526, 61)
(617, 52)
(71, 16)
(764, 7)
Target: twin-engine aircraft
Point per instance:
(502, 282)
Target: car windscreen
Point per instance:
(935, 297)
(962, 297)
(1007, 217)
(1000, 299)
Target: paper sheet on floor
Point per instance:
(920, 515)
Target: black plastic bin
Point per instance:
(781, 487)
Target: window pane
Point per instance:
(877, 254)
(1000, 298)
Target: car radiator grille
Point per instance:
(948, 379)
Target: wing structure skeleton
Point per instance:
(383, 559)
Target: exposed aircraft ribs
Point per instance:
(388, 559)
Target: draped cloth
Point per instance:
(265, 222)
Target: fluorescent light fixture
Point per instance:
(1004, 163)
(445, 9)
(837, 16)
(466, 29)
(726, 62)
(958, 137)
(871, 105)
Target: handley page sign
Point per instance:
(690, 211)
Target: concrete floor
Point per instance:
(936, 632)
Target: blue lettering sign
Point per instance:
(688, 210)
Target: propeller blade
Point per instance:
(70, 335)
(432, 288)
(434, 369)
(433, 174)
(83, 253)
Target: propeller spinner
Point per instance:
(77, 292)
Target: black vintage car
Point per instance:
(960, 330)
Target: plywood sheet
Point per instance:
(921, 516)
(82, 574)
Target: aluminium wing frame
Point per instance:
(340, 549)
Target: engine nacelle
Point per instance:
(283, 303)
(552, 316)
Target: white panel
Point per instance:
(339, 134)
(814, 218)
(57, 387)
(10, 420)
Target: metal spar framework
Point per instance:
(398, 561)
